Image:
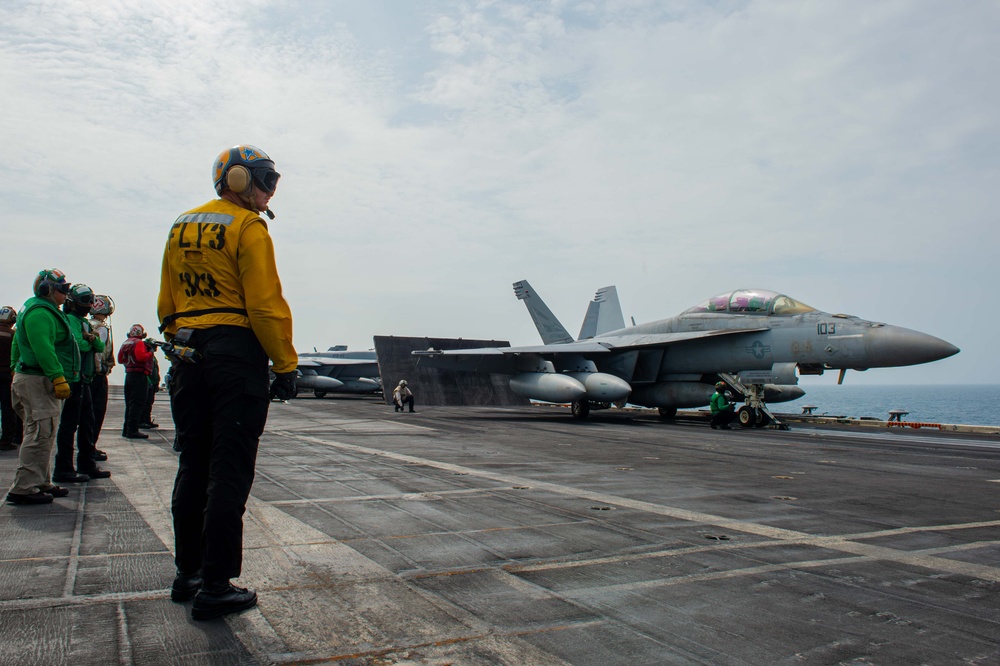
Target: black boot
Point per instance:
(93, 471)
(185, 587)
(70, 476)
(33, 498)
(216, 600)
(136, 435)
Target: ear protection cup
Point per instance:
(238, 179)
(44, 289)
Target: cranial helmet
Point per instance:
(241, 167)
(8, 315)
(49, 280)
(81, 294)
(721, 386)
(103, 305)
(137, 331)
(402, 382)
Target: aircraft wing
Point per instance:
(319, 362)
(503, 359)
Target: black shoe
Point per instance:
(725, 427)
(147, 426)
(33, 498)
(185, 587)
(70, 477)
(98, 455)
(137, 435)
(713, 426)
(56, 491)
(96, 472)
(8, 446)
(222, 601)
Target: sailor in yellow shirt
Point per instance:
(220, 294)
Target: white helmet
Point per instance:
(8, 315)
(103, 305)
(402, 382)
(137, 331)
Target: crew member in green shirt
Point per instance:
(722, 409)
(77, 421)
(45, 358)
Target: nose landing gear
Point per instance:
(754, 414)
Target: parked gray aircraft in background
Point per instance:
(337, 370)
(749, 338)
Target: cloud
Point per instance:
(432, 154)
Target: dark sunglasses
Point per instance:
(61, 287)
(266, 179)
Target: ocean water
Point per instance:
(968, 404)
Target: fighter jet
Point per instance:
(604, 314)
(748, 338)
(337, 370)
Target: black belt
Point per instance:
(21, 365)
(169, 319)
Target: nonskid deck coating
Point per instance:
(521, 536)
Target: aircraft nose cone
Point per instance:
(891, 346)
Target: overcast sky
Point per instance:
(434, 152)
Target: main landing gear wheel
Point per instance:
(763, 420)
(320, 394)
(667, 413)
(581, 409)
(747, 416)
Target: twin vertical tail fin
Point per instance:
(548, 326)
(604, 314)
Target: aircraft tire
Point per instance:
(581, 409)
(747, 416)
(667, 413)
(319, 394)
(763, 420)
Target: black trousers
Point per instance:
(99, 396)
(76, 422)
(147, 409)
(9, 419)
(408, 400)
(723, 418)
(135, 400)
(219, 407)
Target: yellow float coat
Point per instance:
(219, 270)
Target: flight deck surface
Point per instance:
(522, 536)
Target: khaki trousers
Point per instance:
(35, 402)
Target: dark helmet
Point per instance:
(49, 280)
(241, 167)
(81, 295)
(720, 386)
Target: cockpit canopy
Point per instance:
(752, 301)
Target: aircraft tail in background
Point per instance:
(604, 314)
(551, 330)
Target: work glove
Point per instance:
(283, 386)
(61, 388)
